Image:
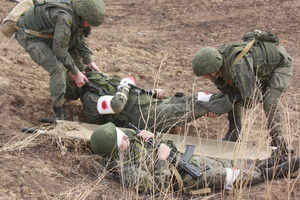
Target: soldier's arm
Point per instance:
(85, 51)
(282, 74)
(109, 104)
(62, 21)
(146, 182)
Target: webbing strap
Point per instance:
(180, 183)
(245, 50)
(32, 32)
(177, 176)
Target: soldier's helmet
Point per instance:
(92, 11)
(104, 140)
(207, 60)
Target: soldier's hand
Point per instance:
(163, 152)
(212, 115)
(146, 135)
(80, 79)
(160, 93)
(93, 65)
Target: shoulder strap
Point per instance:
(246, 49)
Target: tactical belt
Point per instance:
(32, 32)
(245, 50)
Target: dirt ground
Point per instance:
(154, 41)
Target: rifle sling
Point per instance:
(187, 189)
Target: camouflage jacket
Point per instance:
(264, 67)
(58, 18)
(138, 167)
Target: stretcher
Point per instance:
(214, 148)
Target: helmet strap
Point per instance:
(214, 78)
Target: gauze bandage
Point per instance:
(204, 96)
(120, 135)
(231, 175)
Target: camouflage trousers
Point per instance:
(217, 170)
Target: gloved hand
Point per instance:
(125, 82)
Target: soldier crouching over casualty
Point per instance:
(120, 101)
(54, 33)
(258, 69)
(149, 168)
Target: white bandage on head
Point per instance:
(103, 105)
(120, 135)
(231, 175)
(204, 96)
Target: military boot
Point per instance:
(279, 142)
(59, 112)
(234, 128)
(289, 165)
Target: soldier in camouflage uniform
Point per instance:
(253, 73)
(119, 103)
(54, 34)
(138, 166)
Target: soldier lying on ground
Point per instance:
(54, 34)
(120, 102)
(138, 166)
(258, 69)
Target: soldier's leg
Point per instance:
(271, 100)
(277, 84)
(225, 174)
(42, 54)
(235, 126)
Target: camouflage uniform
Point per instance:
(268, 68)
(67, 49)
(138, 166)
(142, 109)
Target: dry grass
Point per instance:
(95, 182)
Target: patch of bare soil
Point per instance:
(154, 41)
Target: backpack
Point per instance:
(8, 24)
(260, 36)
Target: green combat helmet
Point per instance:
(104, 140)
(92, 11)
(206, 61)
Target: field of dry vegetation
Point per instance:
(154, 41)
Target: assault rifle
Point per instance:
(143, 91)
(152, 92)
(184, 162)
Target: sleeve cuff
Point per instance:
(162, 164)
(74, 70)
(87, 60)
